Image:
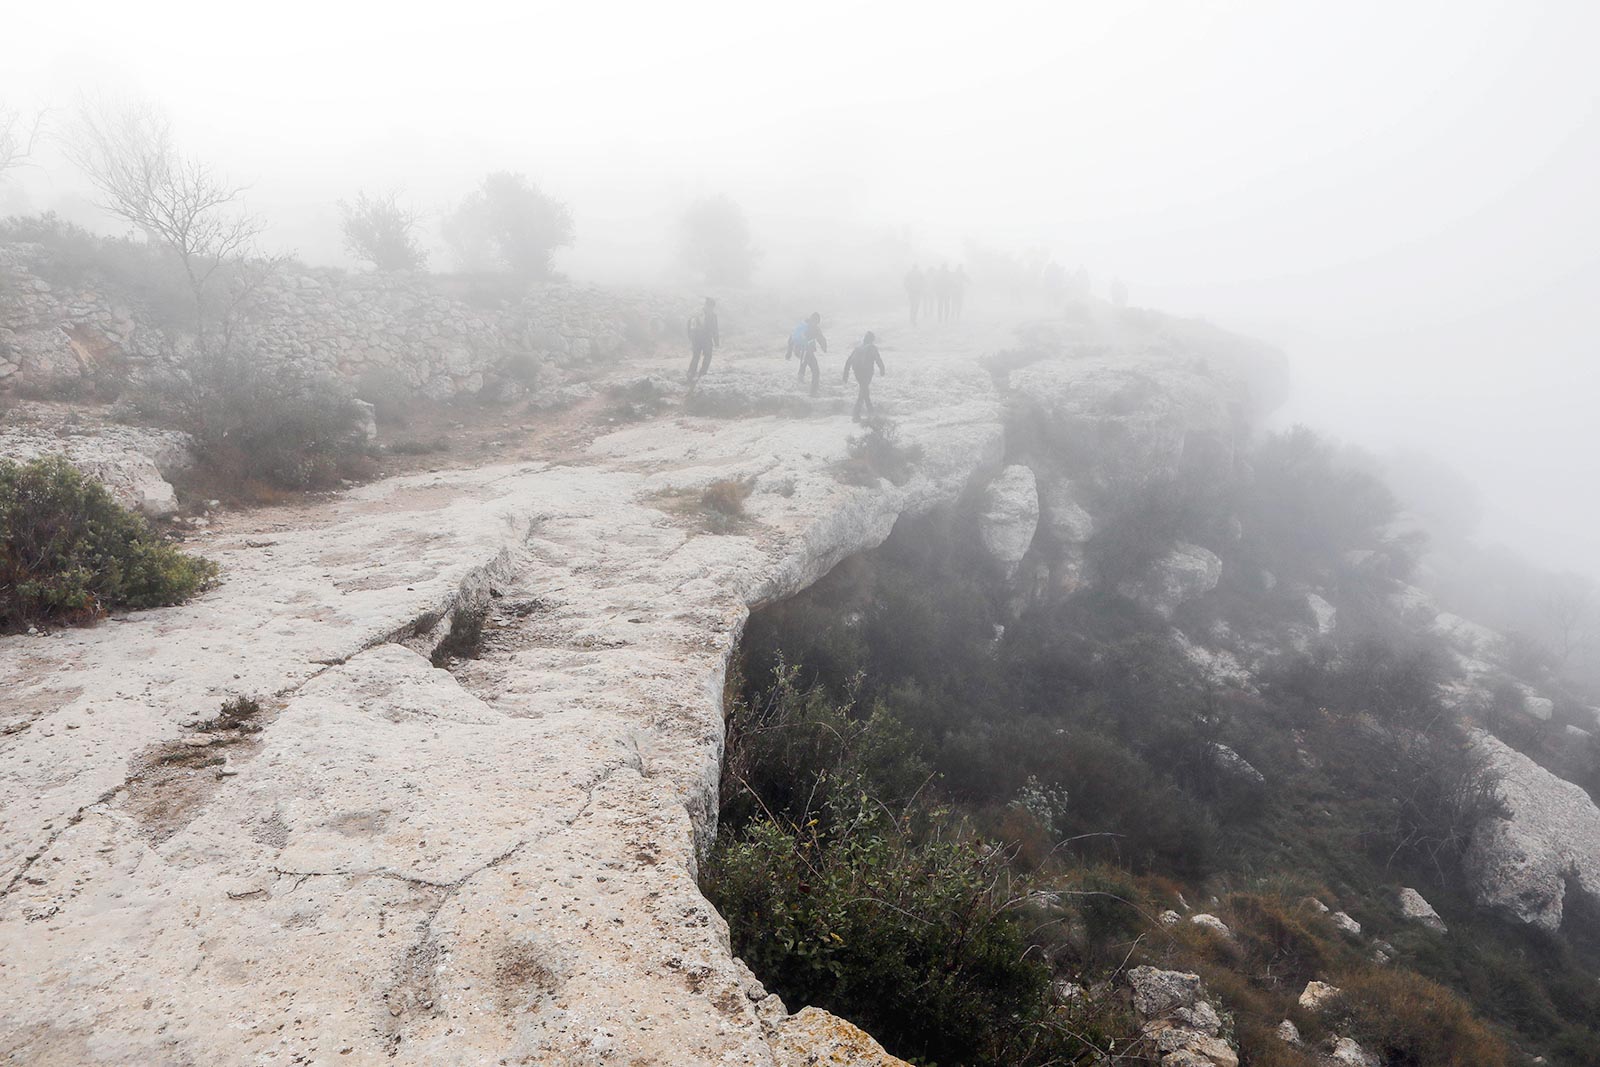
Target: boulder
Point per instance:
(1344, 1052)
(813, 1036)
(1158, 993)
(1318, 995)
(1346, 923)
(1212, 923)
(1548, 843)
(1288, 1032)
(1128, 428)
(365, 418)
(1467, 637)
(1235, 767)
(1415, 909)
(1064, 517)
(1323, 613)
(131, 462)
(1010, 516)
(1185, 1028)
(1182, 574)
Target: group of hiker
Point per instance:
(939, 293)
(864, 361)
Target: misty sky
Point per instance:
(1402, 195)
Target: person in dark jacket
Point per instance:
(803, 342)
(916, 285)
(703, 337)
(864, 361)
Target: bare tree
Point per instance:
(1570, 609)
(379, 231)
(181, 203)
(18, 132)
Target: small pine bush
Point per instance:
(70, 553)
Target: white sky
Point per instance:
(1402, 193)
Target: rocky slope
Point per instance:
(494, 863)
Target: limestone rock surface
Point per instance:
(490, 860)
(1183, 573)
(1549, 841)
(1416, 909)
(1010, 516)
(132, 462)
(814, 1038)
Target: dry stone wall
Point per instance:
(401, 330)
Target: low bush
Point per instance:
(1408, 1021)
(878, 453)
(257, 427)
(727, 496)
(240, 714)
(637, 400)
(915, 941)
(70, 553)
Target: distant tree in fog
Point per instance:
(379, 231)
(1570, 609)
(181, 203)
(17, 134)
(714, 242)
(508, 224)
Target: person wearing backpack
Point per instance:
(803, 342)
(703, 337)
(864, 361)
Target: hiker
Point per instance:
(865, 360)
(916, 283)
(958, 290)
(703, 337)
(941, 291)
(803, 342)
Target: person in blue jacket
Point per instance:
(803, 342)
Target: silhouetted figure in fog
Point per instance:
(958, 290)
(864, 361)
(703, 337)
(916, 285)
(803, 342)
(941, 291)
(1054, 278)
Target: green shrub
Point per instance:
(917, 943)
(240, 714)
(790, 752)
(68, 552)
(259, 426)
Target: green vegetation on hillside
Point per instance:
(899, 740)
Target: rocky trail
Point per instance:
(490, 863)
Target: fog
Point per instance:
(1401, 196)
